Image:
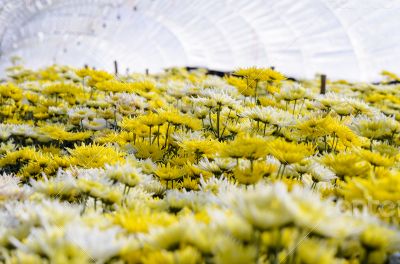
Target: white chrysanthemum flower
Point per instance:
(323, 217)
(343, 108)
(229, 250)
(283, 119)
(148, 166)
(268, 115)
(360, 107)
(42, 241)
(182, 136)
(139, 197)
(165, 237)
(330, 97)
(23, 130)
(220, 98)
(265, 207)
(94, 124)
(99, 244)
(94, 174)
(230, 223)
(63, 185)
(9, 226)
(320, 173)
(7, 146)
(207, 165)
(112, 99)
(177, 200)
(214, 82)
(9, 187)
(204, 102)
(225, 164)
(96, 184)
(125, 173)
(378, 126)
(235, 128)
(216, 185)
(97, 103)
(5, 131)
(80, 113)
(292, 91)
(151, 185)
(132, 99)
(259, 113)
(57, 110)
(200, 112)
(44, 213)
(178, 89)
(272, 160)
(41, 136)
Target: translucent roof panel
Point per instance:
(344, 39)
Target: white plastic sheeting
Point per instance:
(352, 39)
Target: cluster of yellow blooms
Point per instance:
(186, 167)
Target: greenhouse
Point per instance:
(177, 131)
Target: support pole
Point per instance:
(323, 84)
(116, 67)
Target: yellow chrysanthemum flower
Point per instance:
(288, 152)
(94, 156)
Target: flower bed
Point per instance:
(184, 167)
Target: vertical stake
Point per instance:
(116, 67)
(323, 84)
(147, 72)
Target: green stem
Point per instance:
(301, 107)
(223, 130)
(218, 116)
(166, 136)
(150, 135)
(255, 92)
(294, 106)
(115, 118)
(158, 136)
(209, 117)
(258, 245)
(283, 170)
(279, 170)
(197, 156)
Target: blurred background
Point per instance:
(345, 39)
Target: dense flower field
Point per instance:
(183, 167)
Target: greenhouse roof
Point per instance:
(354, 39)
